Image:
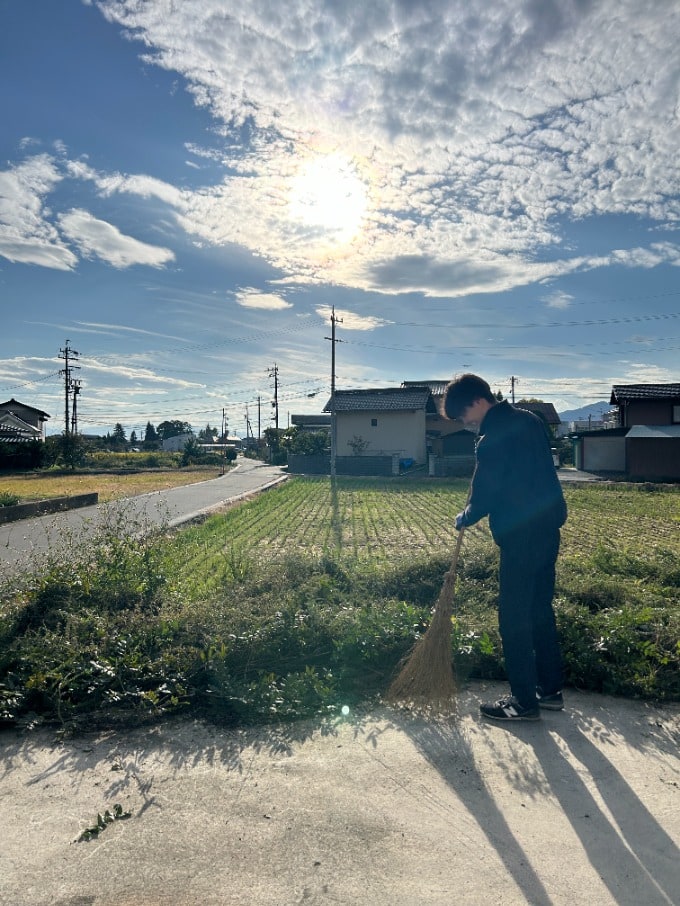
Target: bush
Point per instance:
(223, 619)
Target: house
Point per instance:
(443, 436)
(387, 421)
(19, 422)
(545, 411)
(646, 404)
(311, 423)
(176, 443)
(646, 445)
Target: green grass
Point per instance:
(306, 598)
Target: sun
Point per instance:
(327, 195)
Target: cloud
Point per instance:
(254, 298)
(558, 299)
(466, 162)
(396, 148)
(26, 236)
(350, 320)
(97, 237)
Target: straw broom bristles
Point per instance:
(426, 677)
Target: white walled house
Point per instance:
(21, 421)
(386, 421)
(177, 443)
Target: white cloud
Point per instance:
(558, 299)
(350, 320)
(249, 297)
(26, 235)
(97, 237)
(469, 134)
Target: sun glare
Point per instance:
(327, 194)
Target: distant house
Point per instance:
(311, 422)
(387, 421)
(646, 404)
(646, 445)
(177, 443)
(444, 437)
(545, 411)
(19, 422)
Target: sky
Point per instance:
(189, 190)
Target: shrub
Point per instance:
(302, 600)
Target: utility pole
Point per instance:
(249, 429)
(224, 439)
(513, 381)
(75, 389)
(68, 355)
(259, 418)
(274, 372)
(334, 426)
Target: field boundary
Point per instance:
(45, 507)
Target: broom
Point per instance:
(426, 676)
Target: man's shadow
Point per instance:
(630, 851)
(633, 855)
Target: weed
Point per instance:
(303, 598)
(103, 822)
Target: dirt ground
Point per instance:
(379, 808)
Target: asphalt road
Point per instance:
(24, 541)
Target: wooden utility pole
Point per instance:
(334, 425)
(75, 389)
(274, 373)
(513, 381)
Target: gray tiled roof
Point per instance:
(322, 421)
(10, 406)
(436, 388)
(380, 400)
(621, 393)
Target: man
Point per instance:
(515, 484)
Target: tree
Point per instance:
(207, 435)
(173, 428)
(150, 437)
(133, 438)
(358, 444)
(272, 437)
(307, 443)
(191, 452)
(66, 450)
(118, 439)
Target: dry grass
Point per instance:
(109, 486)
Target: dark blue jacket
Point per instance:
(515, 483)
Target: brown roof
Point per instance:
(546, 410)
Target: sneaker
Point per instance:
(509, 709)
(553, 702)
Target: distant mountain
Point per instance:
(592, 409)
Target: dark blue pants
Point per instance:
(525, 613)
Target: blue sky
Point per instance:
(187, 189)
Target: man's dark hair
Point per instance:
(462, 392)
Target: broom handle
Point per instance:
(459, 543)
(456, 552)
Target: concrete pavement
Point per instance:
(384, 808)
